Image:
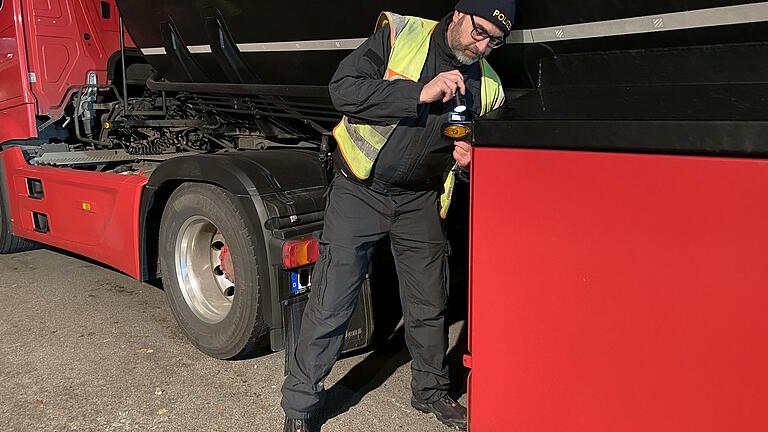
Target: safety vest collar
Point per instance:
(409, 42)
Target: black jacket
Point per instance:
(416, 155)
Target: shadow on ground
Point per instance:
(382, 363)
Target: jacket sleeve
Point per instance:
(358, 88)
(462, 176)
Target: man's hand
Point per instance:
(462, 154)
(443, 86)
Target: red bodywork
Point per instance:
(17, 104)
(46, 47)
(94, 214)
(617, 292)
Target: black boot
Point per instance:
(300, 425)
(447, 410)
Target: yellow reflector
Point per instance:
(86, 206)
(107, 125)
(456, 131)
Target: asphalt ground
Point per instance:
(86, 348)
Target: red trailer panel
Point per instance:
(618, 292)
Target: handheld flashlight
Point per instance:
(458, 126)
(460, 107)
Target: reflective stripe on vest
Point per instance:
(361, 143)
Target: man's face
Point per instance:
(466, 49)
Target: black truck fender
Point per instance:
(281, 191)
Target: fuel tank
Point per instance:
(302, 42)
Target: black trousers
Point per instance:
(356, 218)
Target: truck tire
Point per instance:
(10, 243)
(210, 270)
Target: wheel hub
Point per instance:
(225, 260)
(204, 269)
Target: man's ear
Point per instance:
(457, 15)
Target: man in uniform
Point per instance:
(395, 175)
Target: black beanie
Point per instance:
(500, 12)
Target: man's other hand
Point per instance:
(462, 154)
(443, 86)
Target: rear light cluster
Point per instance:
(297, 253)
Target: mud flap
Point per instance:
(293, 309)
(359, 332)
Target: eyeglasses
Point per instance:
(479, 34)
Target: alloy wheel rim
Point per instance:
(204, 269)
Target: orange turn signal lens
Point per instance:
(455, 131)
(298, 253)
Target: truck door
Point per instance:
(69, 44)
(17, 104)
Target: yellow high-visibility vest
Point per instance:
(361, 143)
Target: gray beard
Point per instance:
(464, 59)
